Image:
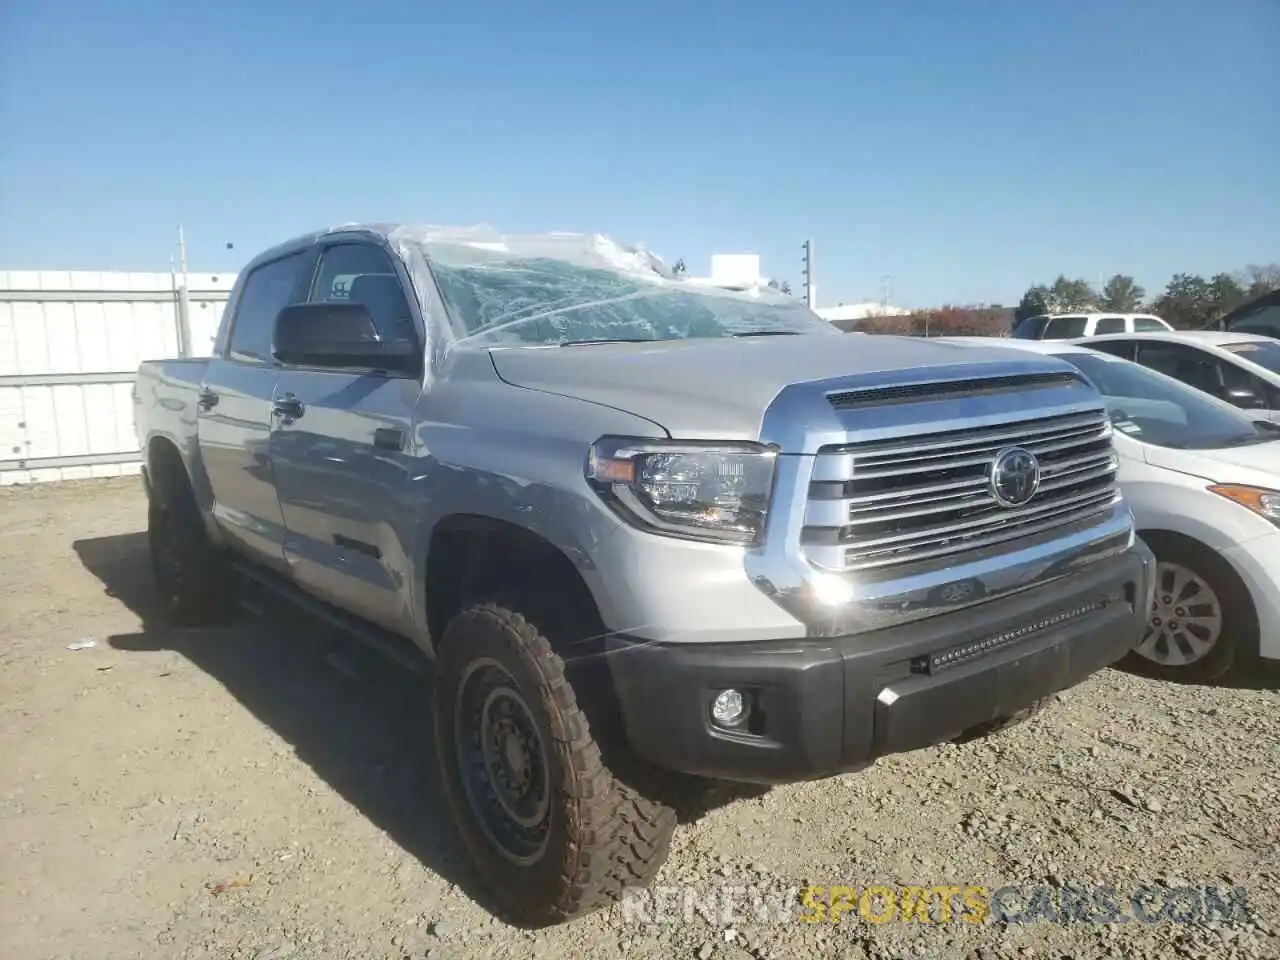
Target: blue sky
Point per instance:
(966, 147)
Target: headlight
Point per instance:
(702, 491)
(1263, 502)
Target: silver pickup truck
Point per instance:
(649, 532)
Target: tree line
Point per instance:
(1188, 301)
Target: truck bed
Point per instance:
(164, 400)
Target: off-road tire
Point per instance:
(189, 572)
(604, 835)
(1238, 639)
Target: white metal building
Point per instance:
(70, 343)
(860, 311)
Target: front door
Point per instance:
(234, 412)
(340, 451)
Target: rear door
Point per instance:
(340, 446)
(234, 420)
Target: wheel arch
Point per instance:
(472, 555)
(1161, 539)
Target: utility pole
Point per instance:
(184, 300)
(810, 295)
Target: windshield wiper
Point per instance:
(766, 333)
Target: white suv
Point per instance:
(1072, 326)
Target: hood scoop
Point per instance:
(946, 390)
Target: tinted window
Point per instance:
(1065, 328)
(1117, 348)
(1148, 324)
(267, 290)
(1193, 367)
(1265, 353)
(363, 273)
(1110, 325)
(1158, 410)
(1030, 328)
(1265, 321)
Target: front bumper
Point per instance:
(825, 706)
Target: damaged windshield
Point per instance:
(503, 298)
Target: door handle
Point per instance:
(288, 408)
(207, 399)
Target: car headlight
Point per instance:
(701, 491)
(1263, 502)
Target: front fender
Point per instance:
(524, 467)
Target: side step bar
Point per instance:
(395, 648)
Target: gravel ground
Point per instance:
(267, 791)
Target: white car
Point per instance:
(1241, 368)
(1069, 326)
(1203, 480)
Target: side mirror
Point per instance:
(338, 335)
(1244, 398)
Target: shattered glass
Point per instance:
(564, 288)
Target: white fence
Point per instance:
(70, 343)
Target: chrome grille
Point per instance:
(927, 497)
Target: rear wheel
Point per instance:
(551, 829)
(1201, 618)
(189, 571)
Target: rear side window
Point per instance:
(1065, 328)
(1265, 322)
(1148, 325)
(267, 290)
(1193, 367)
(1117, 348)
(1030, 328)
(1110, 325)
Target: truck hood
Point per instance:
(720, 388)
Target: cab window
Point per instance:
(1065, 328)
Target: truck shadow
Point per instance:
(362, 723)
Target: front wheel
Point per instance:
(1202, 616)
(552, 832)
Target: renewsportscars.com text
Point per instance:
(937, 904)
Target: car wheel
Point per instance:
(552, 832)
(1201, 616)
(189, 572)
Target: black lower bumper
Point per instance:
(819, 707)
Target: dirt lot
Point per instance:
(267, 791)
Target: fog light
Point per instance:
(729, 708)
